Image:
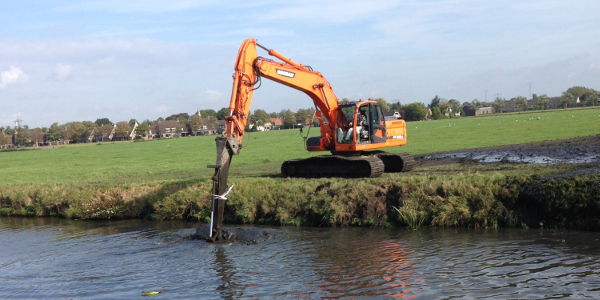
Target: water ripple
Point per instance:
(98, 260)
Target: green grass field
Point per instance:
(263, 152)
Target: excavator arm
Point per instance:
(249, 69)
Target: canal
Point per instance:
(69, 259)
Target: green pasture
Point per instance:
(181, 159)
(494, 130)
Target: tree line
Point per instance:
(438, 108)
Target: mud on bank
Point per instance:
(449, 192)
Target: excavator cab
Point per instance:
(360, 123)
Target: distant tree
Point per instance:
(396, 106)
(177, 116)
(289, 120)
(542, 101)
(498, 104)
(577, 91)
(590, 97)
(273, 115)
(443, 105)
(205, 113)
(222, 113)
(415, 111)
(260, 115)
(4, 138)
(456, 106)
(37, 136)
(67, 132)
(212, 121)
(122, 129)
(141, 129)
(521, 102)
(149, 123)
(22, 138)
(183, 120)
(303, 115)
(566, 98)
(54, 132)
(102, 121)
(195, 124)
(345, 101)
(436, 113)
(105, 131)
(435, 102)
(384, 105)
(9, 131)
(133, 121)
(80, 132)
(586, 96)
(475, 104)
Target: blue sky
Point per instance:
(63, 61)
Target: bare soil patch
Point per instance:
(581, 150)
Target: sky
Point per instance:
(64, 61)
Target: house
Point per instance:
(554, 102)
(277, 123)
(149, 134)
(208, 128)
(171, 128)
(483, 111)
(393, 114)
(268, 125)
(222, 126)
(479, 112)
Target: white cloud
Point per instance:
(162, 108)
(14, 75)
(213, 95)
(63, 72)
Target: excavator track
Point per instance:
(334, 166)
(395, 163)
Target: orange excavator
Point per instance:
(348, 130)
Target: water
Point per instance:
(61, 259)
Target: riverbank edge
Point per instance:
(460, 200)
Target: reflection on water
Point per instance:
(52, 258)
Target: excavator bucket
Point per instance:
(226, 148)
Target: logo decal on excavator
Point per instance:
(285, 73)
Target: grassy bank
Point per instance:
(168, 179)
(461, 198)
